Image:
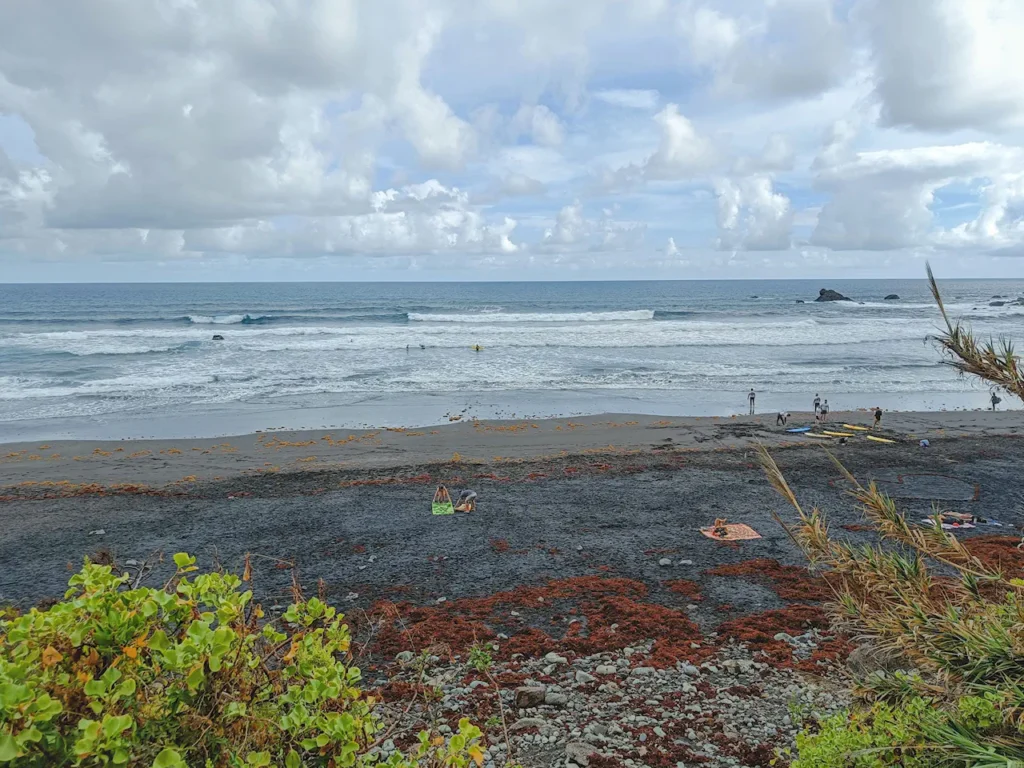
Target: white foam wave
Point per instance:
(533, 317)
(222, 319)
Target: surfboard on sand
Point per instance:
(879, 439)
(799, 429)
(815, 434)
(854, 426)
(837, 434)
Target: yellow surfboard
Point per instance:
(854, 426)
(837, 434)
(879, 439)
(815, 434)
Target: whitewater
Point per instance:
(91, 357)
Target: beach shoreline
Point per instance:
(162, 463)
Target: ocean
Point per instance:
(98, 361)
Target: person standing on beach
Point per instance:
(995, 400)
(750, 399)
(781, 418)
(817, 405)
(824, 410)
(878, 416)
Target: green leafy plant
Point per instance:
(190, 675)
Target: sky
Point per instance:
(171, 140)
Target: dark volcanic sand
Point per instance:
(623, 516)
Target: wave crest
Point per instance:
(534, 317)
(224, 319)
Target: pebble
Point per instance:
(97, 532)
(405, 656)
(606, 669)
(554, 658)
(584, 678)
(665, 562)
(643, 672)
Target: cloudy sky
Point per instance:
(510, 139)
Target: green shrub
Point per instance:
(189, 675)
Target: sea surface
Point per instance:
(109, 361)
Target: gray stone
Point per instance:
(684, 562)
(579, 752)
(643, 672)
(606, 669)
(554, 658)
(689, 670)
(405, 657)
(665, 562)
(553, 699)
(530, 696)
(583, 677)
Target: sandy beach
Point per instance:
(616, 485)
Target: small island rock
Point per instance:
(218, 337)
(892, 297)
(826, 294)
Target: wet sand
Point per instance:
(160, 464)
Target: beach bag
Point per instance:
(442, 504)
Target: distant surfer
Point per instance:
(878, 416)
(996, 400)
(824, 410)
(750, 399)
(781, 418)
(817, 405)
(477, 348)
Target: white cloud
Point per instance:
(570, 226)
(793, 48)
(681, 152)
(630, 98)
(752, 216)
(943, 65)
(540, 123)
(883, 200)
(157, 130)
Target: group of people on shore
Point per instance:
(821, 410)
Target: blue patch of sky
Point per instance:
(18, 140)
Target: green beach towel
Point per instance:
(442, 504)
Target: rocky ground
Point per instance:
(615, 709)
